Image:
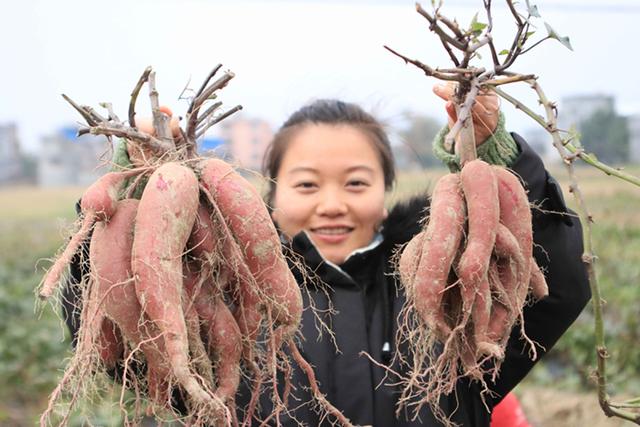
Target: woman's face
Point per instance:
(330, 184)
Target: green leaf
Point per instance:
(504, 52)
(564, 40)
(533, 10)
(476, 27)
(530, 33)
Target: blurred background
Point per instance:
(284, 54)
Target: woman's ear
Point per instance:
(385, 213)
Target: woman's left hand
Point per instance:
(485, 111)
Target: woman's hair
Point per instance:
(330, 112)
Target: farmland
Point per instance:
(35, 222)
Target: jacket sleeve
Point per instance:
(557, 235)
(72, 287)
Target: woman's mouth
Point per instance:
(332, 234)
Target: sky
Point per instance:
(284, 54)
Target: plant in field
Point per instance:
(482, 277)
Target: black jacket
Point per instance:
(367, 302)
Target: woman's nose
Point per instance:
(331, 204)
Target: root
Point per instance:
(51, 280)
(322, 401)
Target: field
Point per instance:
(34, 223)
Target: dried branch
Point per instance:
(573, 149)
(160, 120)
(534, 45)
(510, 79)
(462, 131)
(427, 70)
(218, 120)
(439, 30)
(212, 73)
(203, 117)
(109, 107)
(569, 153)
(134, 96)
(514, 12)
(205, 94)
(85, 115)
(452, 25)
(453, 57)
(589, 259)
(94, 114)
(132, 134)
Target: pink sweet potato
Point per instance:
(249, 221)
(164, 221)
(515, 215)
(440, 244)
(110, 255)
(110, 344)
(98, 204)
(222, 332)
(538, 284)
(480, 193)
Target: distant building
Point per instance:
(575, 109)
(634, 138)
(246, 140)
(65, 159)
(11, 159)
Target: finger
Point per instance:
(174, 125)
(444, 90)
(166, 110)
(451, 112)
(145, 125)
(488, 101)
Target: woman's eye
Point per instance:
(357, 183)
(305, 185)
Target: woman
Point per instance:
(330, 165)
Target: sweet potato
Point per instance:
(166, 214)
(204, 239)
(247, 217)
(515, 215)
(222, 332)
(481, 196)
(110, 344)
(502, 311)
(98, 204)
(110, 255)
(409, 260)
(538, 284)
(442, 239)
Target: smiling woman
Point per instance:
(331, 185)
(330, 166)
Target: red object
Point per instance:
(508, 413)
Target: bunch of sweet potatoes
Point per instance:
(184, 280)
(468, 274)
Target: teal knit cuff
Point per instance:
(120, 158)
(120, 162)
(499, 149)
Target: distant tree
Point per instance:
(416, 141)
(606, 134)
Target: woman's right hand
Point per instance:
(145, 123)
(485, 110)
(141, 155)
